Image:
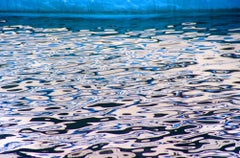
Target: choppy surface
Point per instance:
(120, 87)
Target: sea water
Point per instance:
(157, 86)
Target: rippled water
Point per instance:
(124, 87)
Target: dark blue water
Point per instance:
(120, 87)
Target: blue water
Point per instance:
(114, 6)
(120, 87)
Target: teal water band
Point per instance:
(114, 6)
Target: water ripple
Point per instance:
(75, 87)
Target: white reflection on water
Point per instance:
(85, 88)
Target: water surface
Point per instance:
(124, 87)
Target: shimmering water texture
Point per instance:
(107, 88)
